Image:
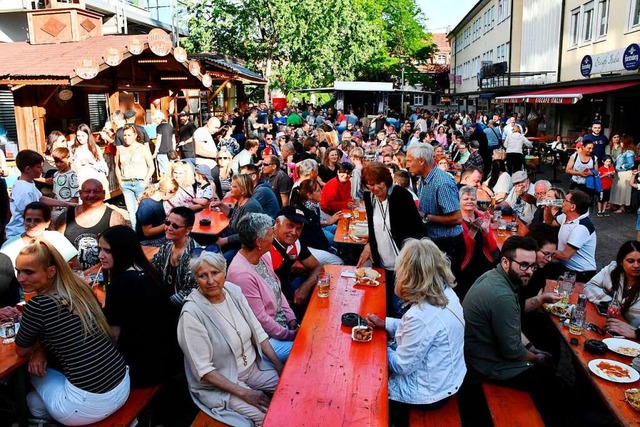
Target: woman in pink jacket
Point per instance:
(252, 270)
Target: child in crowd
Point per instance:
(205, 189)
(65, 180)
(24, 191)
(402, 178)
(606, 172)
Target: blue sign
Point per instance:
(585, 66)
(631, 57)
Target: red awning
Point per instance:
(567, 95)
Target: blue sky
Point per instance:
(441, 13)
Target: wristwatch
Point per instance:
(528, 345)
(425, 219)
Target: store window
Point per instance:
(634, 16)
(603, 18)
(575, 27)
(587, 20)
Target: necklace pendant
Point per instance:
(244, 359)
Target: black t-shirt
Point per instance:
(148, 341)
(238, 122)
(186, 132)
(166, 131)
(150, 212)
(327, 174)
(280, 184)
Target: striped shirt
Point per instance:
(90, 363)
(439, 196)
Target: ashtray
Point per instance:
(205, 221)
(352, 319)
(595, 346)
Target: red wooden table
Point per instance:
(9, 360)
(330, 380)
(522, 231)
(342, 232)
(611, 393)
(219, 221)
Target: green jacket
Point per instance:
(492, 340)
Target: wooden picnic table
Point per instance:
(219, 221)
(9, 360)
(611, 393)
(330, 380)
(342, 232)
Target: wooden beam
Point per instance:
(222, 86)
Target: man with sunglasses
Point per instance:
(495, 348)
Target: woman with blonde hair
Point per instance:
(65, 319)
(426, 364)
(624, 178)
(242, 191)
(183, 174)
(151, 215)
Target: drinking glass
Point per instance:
(565, 288)
(614, 308)
(9, 332)
(570, 277)
(502, 228)
(323, 285)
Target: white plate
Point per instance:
(633, 374)
(353, 333)
(617, 345)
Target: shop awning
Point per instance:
(567, 95)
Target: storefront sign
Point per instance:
(135, 45)
(616, 60)
(180, 54)
(631, 57)
(159, 42)
(112, 56)
(86, 68)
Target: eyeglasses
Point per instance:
(547, 255)
(173, 225)
(524, 266)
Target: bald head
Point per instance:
(213, 124)
(92, 192)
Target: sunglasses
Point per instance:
(173, 225)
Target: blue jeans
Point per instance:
(132, 190)
(330, 233)
(282, 348)
(163, 164)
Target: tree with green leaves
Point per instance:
(297, 44)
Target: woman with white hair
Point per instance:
(230, 364)
(426, 362)
(252, 270)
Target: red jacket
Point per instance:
(489, 244)
(336, 196)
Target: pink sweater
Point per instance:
(260, 295)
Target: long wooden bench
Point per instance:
(138, 399)
(445, 416)
(204, 420)
(510, 407)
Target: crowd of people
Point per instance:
(459, 309)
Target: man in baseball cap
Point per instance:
(286, 250)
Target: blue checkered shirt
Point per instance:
(439, 196)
